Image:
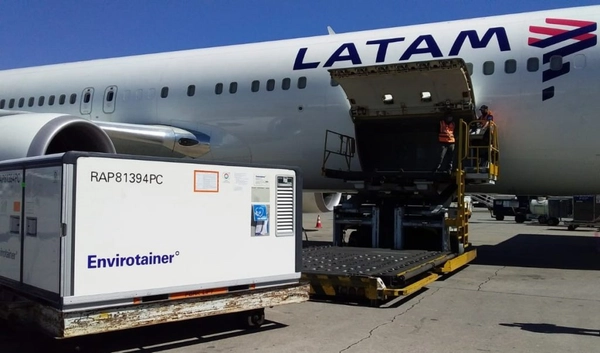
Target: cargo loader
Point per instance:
(397, 232)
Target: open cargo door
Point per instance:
(396, 109)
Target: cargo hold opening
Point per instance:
(397, 108)
(408, 144)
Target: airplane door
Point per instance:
(110, 99)
(87, 97)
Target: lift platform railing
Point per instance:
(481, 145)
(338, 144)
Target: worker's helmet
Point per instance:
(483, 108)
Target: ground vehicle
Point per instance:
(397, 233)
(586, 212)
(96, 242)
(517, 206)
(552, 210)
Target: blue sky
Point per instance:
(37, 32)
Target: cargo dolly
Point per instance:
(585, 212)
(398, 233)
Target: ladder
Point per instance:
(486, 199)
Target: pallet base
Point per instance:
(374, 288)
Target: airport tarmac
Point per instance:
(532, 288)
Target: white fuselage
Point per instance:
(546, 146)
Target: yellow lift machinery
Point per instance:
(397, 233)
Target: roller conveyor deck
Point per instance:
(375, 274)
(389, 265)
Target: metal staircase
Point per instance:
(486, 199)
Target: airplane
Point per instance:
(272, 102)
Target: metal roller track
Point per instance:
(349, 261)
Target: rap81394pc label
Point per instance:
(126, 177)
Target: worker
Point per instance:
(447, 140)
(485, 118)
(480, 136)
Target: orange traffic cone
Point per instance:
(319, 225)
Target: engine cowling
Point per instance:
(37, 134)
(315, 202)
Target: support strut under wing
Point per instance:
(155, 140)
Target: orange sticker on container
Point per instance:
(206, 181)
(16, 206)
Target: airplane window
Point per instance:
(488, 67)
(86, 97)
(164, 92)
(61, 100)
(285, 84)
(11, 103)
(110, 96)
(255, 85)
(233, 87)
(41, 101)
(31, 101)
(510, 66)
(333, 83)
(21, 102)
(556, 63)
(533, 64)
(270, 84)
(51, 100)
(470, 69)
(302, 82)
(219, 88)
(2, 103)
(73, 98)
(191, 90)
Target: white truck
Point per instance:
(93, 242)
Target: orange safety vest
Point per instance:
(446, 132)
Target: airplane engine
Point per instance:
(36, 134)
(315, 202)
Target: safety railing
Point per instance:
(481, 147)
(338, 144)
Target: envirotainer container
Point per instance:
(103, 235)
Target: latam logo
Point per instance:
(581, 34)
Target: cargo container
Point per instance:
(93, 242)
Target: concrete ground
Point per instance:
(531, 289)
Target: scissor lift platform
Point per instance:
(373, 274)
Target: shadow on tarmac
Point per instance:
(554, 329)
(543, 251)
